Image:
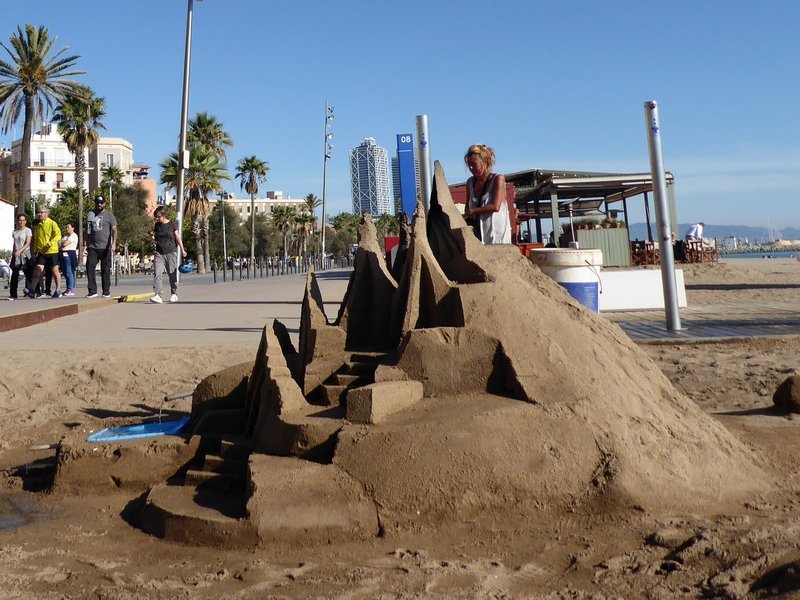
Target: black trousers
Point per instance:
(94, 256)
(16, 269)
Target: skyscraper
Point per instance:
(369, 179)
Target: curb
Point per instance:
(36, 317)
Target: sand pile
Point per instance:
(472, 388)
(531, 402)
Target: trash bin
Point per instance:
(577, 270)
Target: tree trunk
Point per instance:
(206, 243)
(252, 235)
(25, 158)
(198, 245)
(80, 169)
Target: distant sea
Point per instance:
(759, 255)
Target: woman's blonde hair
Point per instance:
(484, 153)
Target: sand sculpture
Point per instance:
(467, 384)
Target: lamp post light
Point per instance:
(326, 155)
(183, 153)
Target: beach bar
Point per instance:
(569, 198)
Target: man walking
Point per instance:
(101, 243)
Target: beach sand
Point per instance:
(82, 545)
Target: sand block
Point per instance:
(373, 403)
(128, 464)
(198, 516)
(295, 501)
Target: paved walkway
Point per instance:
(719, 321)
(235, 312)
(207, 313)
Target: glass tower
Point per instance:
(370, 180)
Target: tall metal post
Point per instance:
(662, 216)
(327, 147)
(183, 154)
(425, 165)
(224, 242)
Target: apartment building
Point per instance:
(262, 205)
(53, 165)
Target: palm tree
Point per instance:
(203, 177)
(305, 225)
(78, 118)
(387, 224)
(251, 171)
(112, 175)
(283, 217)
(311, 203)
(34, 80)
(206, 131)
(112, 179)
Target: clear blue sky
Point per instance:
(547, 84)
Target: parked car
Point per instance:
(5, 269)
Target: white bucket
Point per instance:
(576, 270)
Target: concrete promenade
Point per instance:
(207, 314)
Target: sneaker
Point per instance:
(173, 298)
(56, 294)
(92, 295)
(106, 295)
(69, 293)
(11, 298)
(156, 299)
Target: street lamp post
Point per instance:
(183, 154)
(326, 155)
(223, 196)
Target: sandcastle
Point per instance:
(465, 383)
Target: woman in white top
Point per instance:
(20, 254)
(486, 197)
(68, 257)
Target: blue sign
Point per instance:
(408, 179)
